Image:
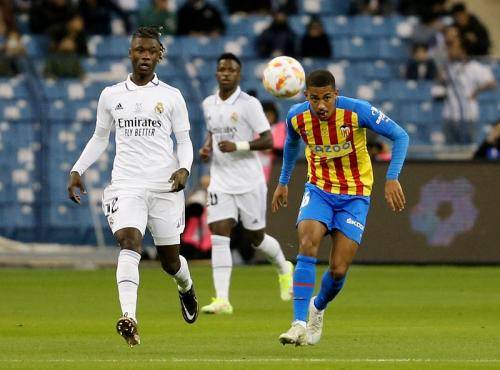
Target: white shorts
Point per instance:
(249, 208)
(161, 212)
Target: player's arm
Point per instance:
(180, 127)
(290, 154)
(263, 142)
(257, 120)
(377, 121)
(206, 149)
(93, 150)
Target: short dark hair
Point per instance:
(457, 8)
(149, 32)
(229, 56)
(320, 78)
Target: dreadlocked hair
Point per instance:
(151, 32)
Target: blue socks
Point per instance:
(303, 286)
(329, 289)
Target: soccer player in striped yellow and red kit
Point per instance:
(337, 192)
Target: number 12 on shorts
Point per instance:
(111, 207)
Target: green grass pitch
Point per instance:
(386, 317)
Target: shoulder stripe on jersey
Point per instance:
(353, 157)
(339, 170)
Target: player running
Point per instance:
(337, 192)
(147, 178)
(237, 187)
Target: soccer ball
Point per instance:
(283, 77)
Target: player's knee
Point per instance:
(171, 267)
(339, 271)
(308, 246)
(130, 243)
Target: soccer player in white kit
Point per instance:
(237, 187)
(147, 178)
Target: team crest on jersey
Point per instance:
(345, 130)
(159, 108)
(234, 117)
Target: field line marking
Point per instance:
(257, 360)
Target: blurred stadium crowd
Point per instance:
(424, 62)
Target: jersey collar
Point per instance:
(132, 86)
(229, 100)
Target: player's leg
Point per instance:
(341, 255)
(166, 223)
(221, 217)
(126, 212)
(127, 278)
(176, 266)
(271, 249)
(349, 223)
(314, 220)
(252, 210)
(310, 234)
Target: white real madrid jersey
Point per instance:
(144, 118)
(238, 118)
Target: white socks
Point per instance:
(127, 278)
(272, 250)
(222, 264)
(183, 277)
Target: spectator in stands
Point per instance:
(474, 33)
(68, 43)
(315, 42)
(420, 66)
(286, 6)
(63, 61)
(45, 14)
(490, 147)
(97, 15)
(159, 14)
(378, 150)
(278, 130)
(422, 7)
(198, 18)
(11, 48)
(371, 7)
(248, 6)
(277, 39)
(465, 80)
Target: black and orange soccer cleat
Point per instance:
(127, 328)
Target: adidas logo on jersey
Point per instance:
(119, 106)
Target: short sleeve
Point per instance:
(180, 117)
(104, 118)
(481, 74)
(256, 117)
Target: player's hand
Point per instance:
(227, 146)
(179, 179)
(280, 197)
(394, 195)
(75, 182)
(205, 153)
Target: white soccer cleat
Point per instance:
(314, 324)
(218, 306)
(286, 283)
(295, 335)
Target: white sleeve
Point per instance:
(482, 74)
(180, 118)
(184, 149)
(256, 117)
(99, 141)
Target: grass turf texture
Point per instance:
(386, 317)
